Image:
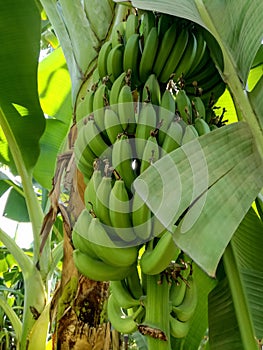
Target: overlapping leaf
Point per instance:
(201, 183)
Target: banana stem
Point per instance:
(157, 313)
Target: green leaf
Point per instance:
(256, 100)
(55, 97)
(21, 117)
(210, 177)
(15, 207)
(223, 328)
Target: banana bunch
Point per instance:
(155, 89)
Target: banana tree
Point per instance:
(231, 310)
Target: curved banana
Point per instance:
(98, 270)
(173, 137)
(91, 189)
(148, 54)
(147, 121)
(115, 90)
(184, 106)
(112, 124)
(122, 157)
(94, 140)
(156, 260)
(100, 101)
(178, 329)
(185, 311)
(198, 107)
(165, 21)
(187, 59)
(102, 59)
(190, 134)
(102, 200)
(201, 126)
(106, 249)
(79, 234)
(132, 26)
(120, 216)
(166, 114)
(119, 320)
(131, 57)
(115, 62)
(85, 106)
(151, 90)
(147, 23)
(141, 219)
(178, 287)
(84, 157)
(118, 33)
(126, 110)
(174, 57)
(150, 154)
(165, 47)
(200, 51)
(122, 295)
(133, 283)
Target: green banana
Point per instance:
(104, 246)
(102, 200)
(141, 219)
(133, 283)
(147, 121)
(156, 260)
(82, 244)
(122, 157)
(190, 134)
(173, 137)
(178, 329)
(94, 140)
(120, 216)
(185, 311)
(198, 107)
(200, 51)
(166, 114)
(178, 287)
(85, 106)
(126, 110)
(175, 56)
(118, 33)
(165, 22)
(187, 59)
(147, 23)
(122, 295)
(84, 157)
(202, 66)
(97, 270)
(165, 47)
(184, 106)
(91, 189)
(132, 26)
(112, 124)
(120, 321)
(151, 91)
(148, 54)
(201, 126)
(115, 62)
(79, 233)
(102, 59)
(100, 101)
(131, 57)
(151, 153)
(115, 90)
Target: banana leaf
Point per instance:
(20, 111)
